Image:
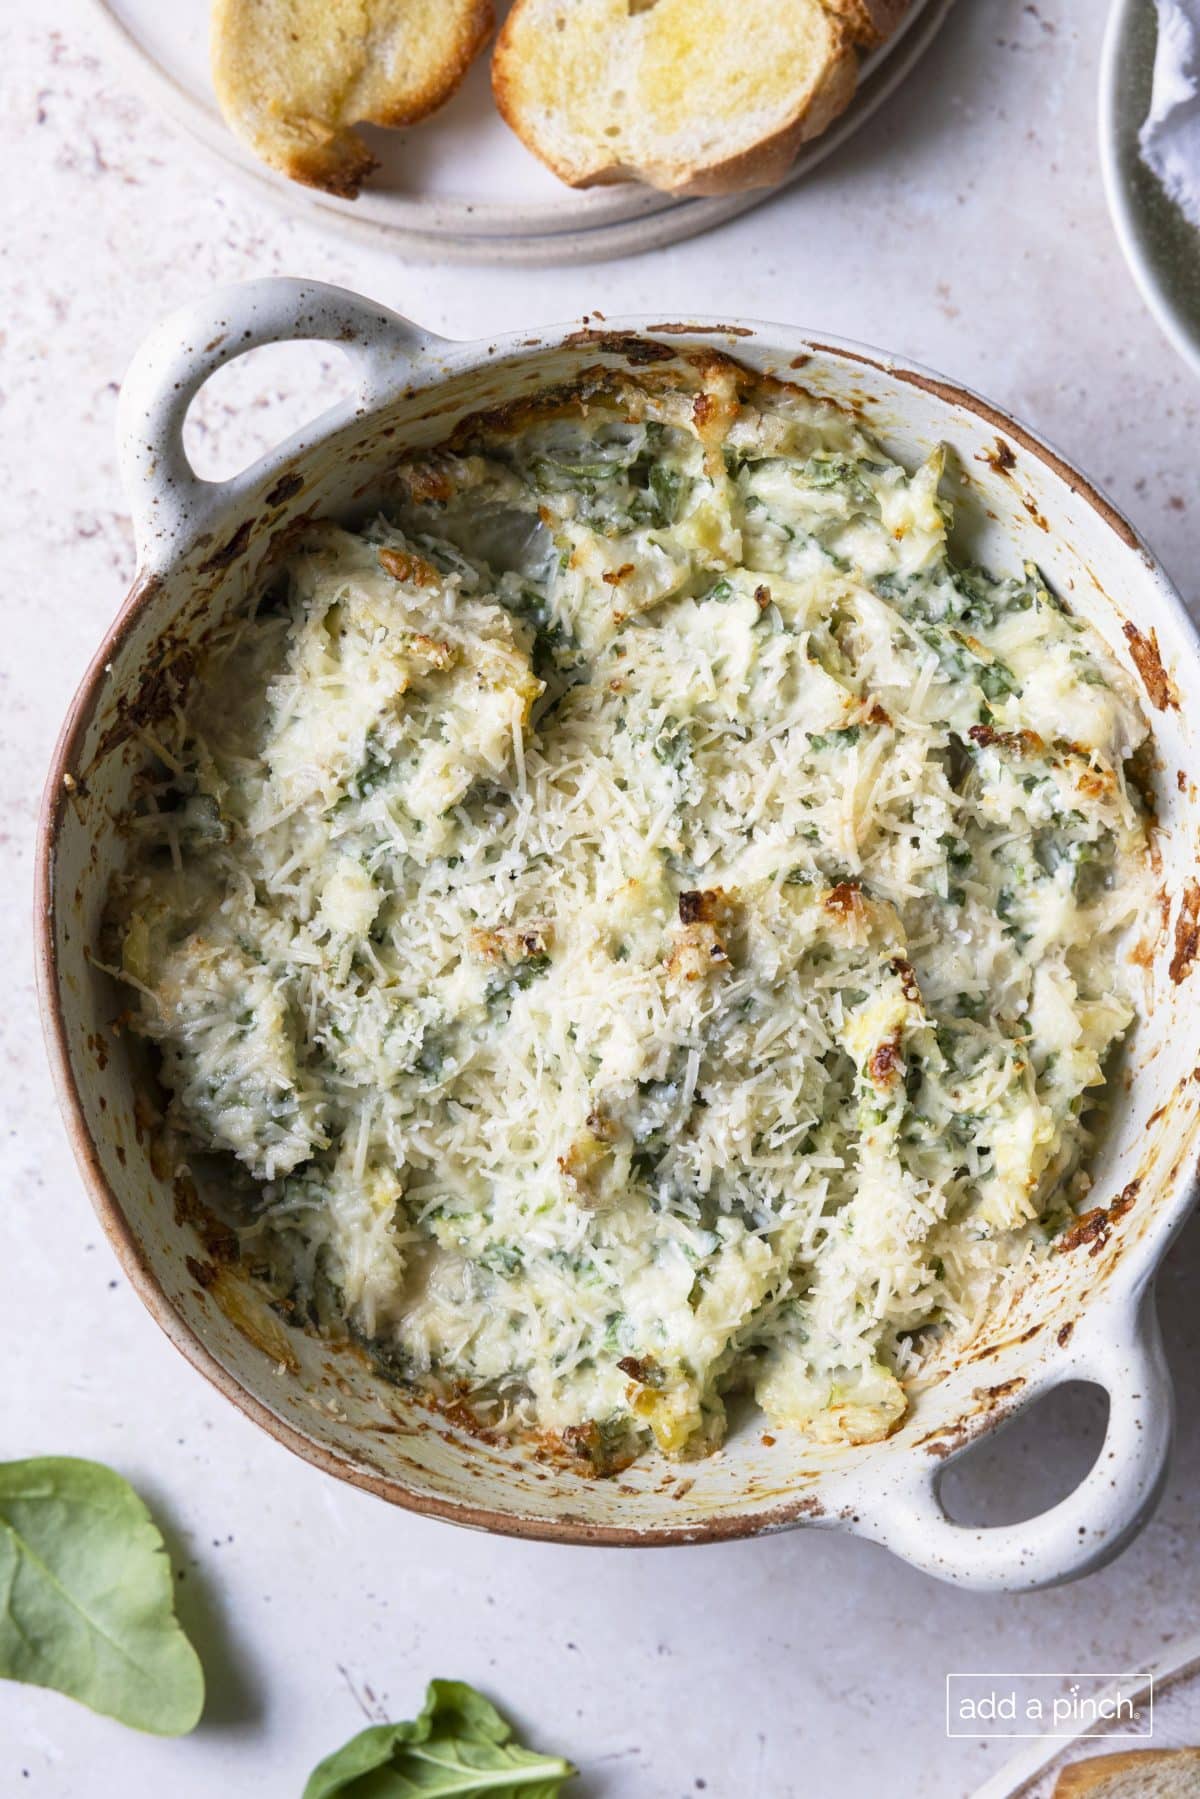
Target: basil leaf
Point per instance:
(459, 1748)
(86, 1600)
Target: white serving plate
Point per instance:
(461, 186)
(1160, 245)
(1089, 1314)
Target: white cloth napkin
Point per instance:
(1170, 137)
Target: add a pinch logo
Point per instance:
(1115, 1706)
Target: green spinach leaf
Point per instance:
(86, 1602)
(459, 1748)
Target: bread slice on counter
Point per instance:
(1134, 1774)
(695, 96)
(293, 77)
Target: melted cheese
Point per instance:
(644, 920)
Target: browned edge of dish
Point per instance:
(125, 1244)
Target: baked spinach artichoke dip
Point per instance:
(640, 920)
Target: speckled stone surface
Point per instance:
(964, 226)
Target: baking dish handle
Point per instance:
(169, 502)
(1089, 1526)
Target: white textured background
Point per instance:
(965, 226)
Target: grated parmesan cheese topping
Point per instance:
(642, 919)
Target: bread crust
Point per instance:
(869, 22)
(339, 166)
(761, 165)
(325, 151)
(1080, 1780)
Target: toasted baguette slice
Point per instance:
(869, 22)
(294, 76)
(1135, 1774)
(695, 96)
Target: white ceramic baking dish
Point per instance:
(1089, 1316)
